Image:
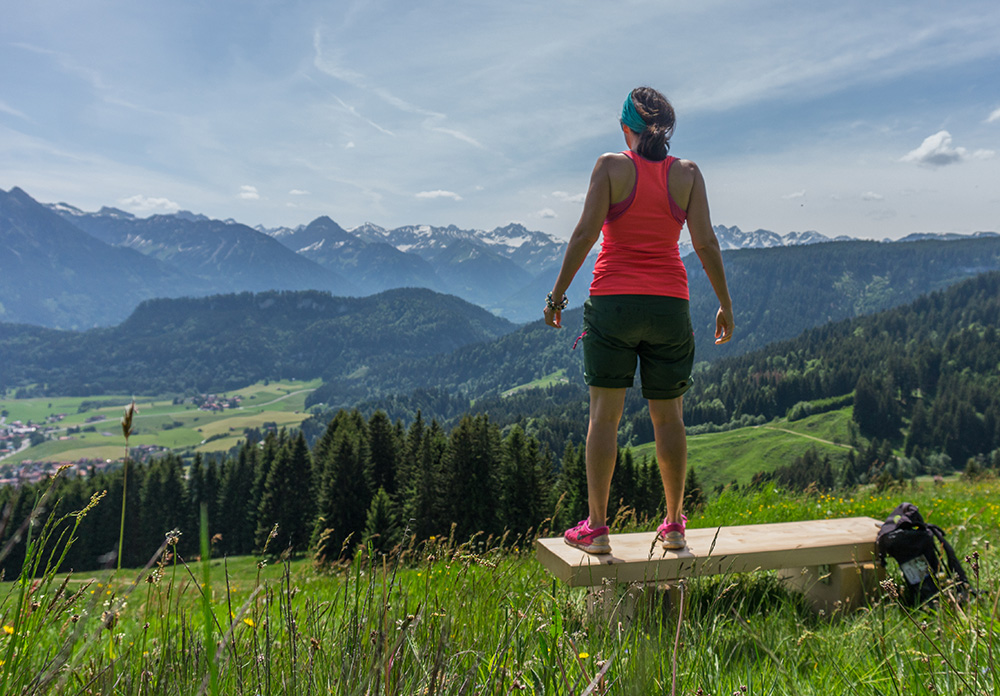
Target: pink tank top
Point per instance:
(639, 254)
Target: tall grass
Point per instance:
(443, 616)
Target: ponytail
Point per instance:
(658, 115)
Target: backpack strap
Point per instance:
(953, 563)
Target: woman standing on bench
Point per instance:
(638, 304)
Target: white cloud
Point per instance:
(794, 195)
(994, 116)
(937, 150)
(249, 193)
(547, 213)
(354, 112)
(144, 204)
(298, 192)
(350, 145)
(569, 198)
(439, 194)
(459, 135)
(333, 65)
(872, 196)
(7, 109)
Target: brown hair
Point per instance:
(657, 112)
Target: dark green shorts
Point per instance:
(655, 330)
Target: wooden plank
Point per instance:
(710, 551)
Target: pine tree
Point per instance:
(521, 483)
(162, 507)
(572, 485)
(344, 496)
(649, 498)
(471, 463)
(268, 453)
(236, 506)
(212, 483)
(409, 456)
(193, 498)
(919, 434)
(866, 407)
(694, 496)
(423, 502)
(104, 522)
(287, 499)
(383, 453)
(623, 483)
(381, 523)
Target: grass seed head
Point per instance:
(109, 619)
(130, 411)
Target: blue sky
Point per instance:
(868, 119)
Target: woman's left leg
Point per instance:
(606, 406)
(667, 416)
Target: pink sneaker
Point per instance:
(586, 539)
(672, 533)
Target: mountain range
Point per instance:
(406, 339)
(62, 267)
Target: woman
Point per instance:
(638, 305)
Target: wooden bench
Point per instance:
(829, 561)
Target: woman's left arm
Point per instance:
(585, 234)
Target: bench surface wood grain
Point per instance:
(637, 558)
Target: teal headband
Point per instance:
(631, 117)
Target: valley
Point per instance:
(85, 431)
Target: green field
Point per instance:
(736, 455)
(158, 422)
(557, 377)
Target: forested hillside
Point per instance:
(779, 293)
(228, 341)
(935, 361)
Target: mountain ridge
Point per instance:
(222, 341)
(505, 270)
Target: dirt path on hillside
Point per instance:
(810, 437)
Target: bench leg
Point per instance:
(829, 588)
(622, 605)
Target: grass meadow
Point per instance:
(480, 616)
(736, 455)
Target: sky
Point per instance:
(859, 118)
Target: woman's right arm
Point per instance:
(706, 245)
(585, 234)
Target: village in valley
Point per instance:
(16, 436)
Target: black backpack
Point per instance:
(911, 543)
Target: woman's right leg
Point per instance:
(671, 451)
(606, 407)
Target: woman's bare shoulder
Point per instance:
(613, 159)
(683, 175)
(687, 168)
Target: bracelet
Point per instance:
(559, 306)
